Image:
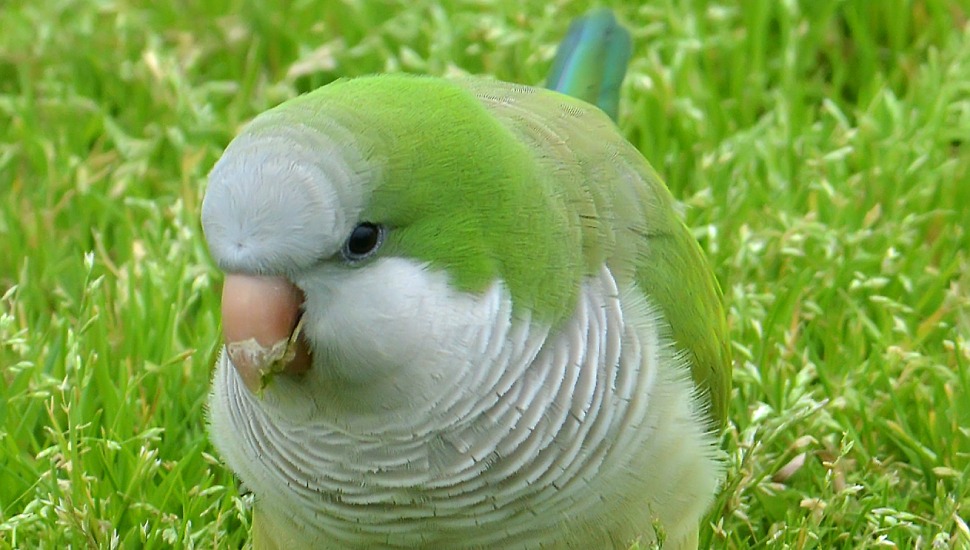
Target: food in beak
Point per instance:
(262, 322)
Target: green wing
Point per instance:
(675, 274)
(627, 219)
(590, 64)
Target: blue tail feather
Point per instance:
(591, 61)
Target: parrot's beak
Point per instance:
(261, 322)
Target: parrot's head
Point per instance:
(385, 234)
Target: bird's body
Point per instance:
(588, 436)
(514, 341)
(512, 383)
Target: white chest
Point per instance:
(585, 438)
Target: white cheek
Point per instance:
(397, 321)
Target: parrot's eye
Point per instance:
(363, 241)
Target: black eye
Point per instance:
(363, 241)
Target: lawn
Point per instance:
(819, 148)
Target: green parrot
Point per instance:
(461, 314)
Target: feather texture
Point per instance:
(571, 438)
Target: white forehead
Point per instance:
(283, 196)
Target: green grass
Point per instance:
(820, 148)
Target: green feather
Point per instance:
(674, 272)
(628, 221)
(591, 61)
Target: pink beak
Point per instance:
(259, 316)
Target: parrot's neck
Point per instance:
(527, 453)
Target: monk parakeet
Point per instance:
(460, 314)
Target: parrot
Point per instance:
(463, 313)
